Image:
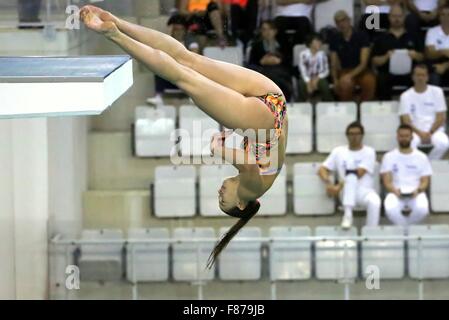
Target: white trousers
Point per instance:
(355, 195)
(394, 206)
(440, 142)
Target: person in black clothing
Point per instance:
(395, 38)
(177, 29)
(269, 58)
(350, 52)
(384, 7)
(293, 20)
(244, 20)
(423, 15)
(28, 11)
(437, 49)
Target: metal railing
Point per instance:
(200, 283)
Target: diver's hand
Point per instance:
(102, 14)
(218, 140)
(93, 21)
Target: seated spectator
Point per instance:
(406, 174)
(29, 13)
(354, 164)
(423, 108)
(384, 47)
(423, 15)
(268, 57)
(350, 51)
(203, 18)
(383, 9)
(177, 29)
(314, 71)
(293, 20)
(437, 48)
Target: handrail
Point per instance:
(60, 241)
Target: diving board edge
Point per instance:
(46, 99)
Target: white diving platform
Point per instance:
(62, 86)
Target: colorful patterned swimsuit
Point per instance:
(277, 105)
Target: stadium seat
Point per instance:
(211, 179)
(154, 131)
(59, 257)
(434, 262)
(196, 130)
(333, 261)
(325, 11)
(232, 55)
(400, 63)
(290, 260)
(101, 262)
(189, 258)
(309, 192)
(300, 133)
(297, 49)
(332, 119)
(439, 186)
(274, 201)
(241, 260)
(381, 120)
(387, 255)
(147, 261)
(174, 191)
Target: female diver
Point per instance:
(236, 97)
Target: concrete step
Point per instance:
(116, 209)
(112, 166)
(125, 209)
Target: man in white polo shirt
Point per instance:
(355, 165)
(423, 13)
(437, 48)
(423, 107)
(406, 174)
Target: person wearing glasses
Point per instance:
(354, 164)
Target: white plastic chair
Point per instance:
(274, 201)
(232, 55)
(388, 256)
(174, 191)
(336, 259)
(101, 262)
(147, 261)
(241, 260)
(300, 131)
(400, 63)
(439, 186)
(290, 260)
(309, 191)
(190, 259)
(325, 11)
(154, 131)
(432, 261)
(196, 131)
(211, 179)
(332, 120)
(381, 120)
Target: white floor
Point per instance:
(261, 290)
